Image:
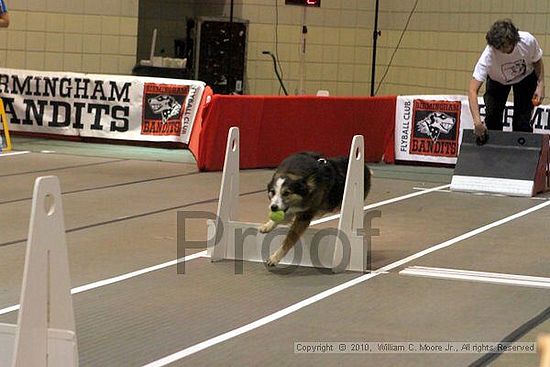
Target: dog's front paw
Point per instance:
(275, 258)
(267, 226)
(272, 260)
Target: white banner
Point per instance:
(539, 120)
(429, 128)
(101, 106)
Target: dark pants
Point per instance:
(495, 98)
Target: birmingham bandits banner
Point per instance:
(102, 106)
(429, 128)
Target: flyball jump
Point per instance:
(510, 163)
(338, 249)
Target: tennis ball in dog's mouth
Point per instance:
(277, 216)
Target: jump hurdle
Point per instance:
(511, 163)
(45, 331)
(338, 249)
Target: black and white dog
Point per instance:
(305, 186)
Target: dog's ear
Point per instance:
(300, 187)
(310, 184)
(270, 191)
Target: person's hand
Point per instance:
(538, 96)
(480, 129)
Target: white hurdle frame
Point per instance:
(45, 332)
(338, 249)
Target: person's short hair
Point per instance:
(502, 32)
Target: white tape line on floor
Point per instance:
(477, 276)
(7, 154)
(386, 202)
(136, 273)
(480, 193)
(329, 292)
(119, 278)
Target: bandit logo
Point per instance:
(436, 123)
(166, 106)
(435, 128)
(163, 108)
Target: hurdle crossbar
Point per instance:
(338, 249)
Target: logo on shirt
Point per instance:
(514, 70)
(435, 128)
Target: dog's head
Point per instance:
(287, 194)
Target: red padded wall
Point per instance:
(272, 127)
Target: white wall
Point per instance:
(436, 55)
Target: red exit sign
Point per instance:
(316, 3)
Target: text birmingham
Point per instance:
(84, 97)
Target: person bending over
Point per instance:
(511, 59)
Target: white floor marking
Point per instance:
(258, 323)
(480, 193)
(6, 154)
(119, 278)
(423, 189)
(465, 236)
(385, 202)
(329, 292)
(477, 276)
(136, 273)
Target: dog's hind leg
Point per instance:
(297, 229)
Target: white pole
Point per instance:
(153, 45)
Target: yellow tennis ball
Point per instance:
(277, 216)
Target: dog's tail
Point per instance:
(367, 178)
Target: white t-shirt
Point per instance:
(509, 68)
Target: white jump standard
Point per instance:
(45, 331)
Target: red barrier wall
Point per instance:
(271, 128)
